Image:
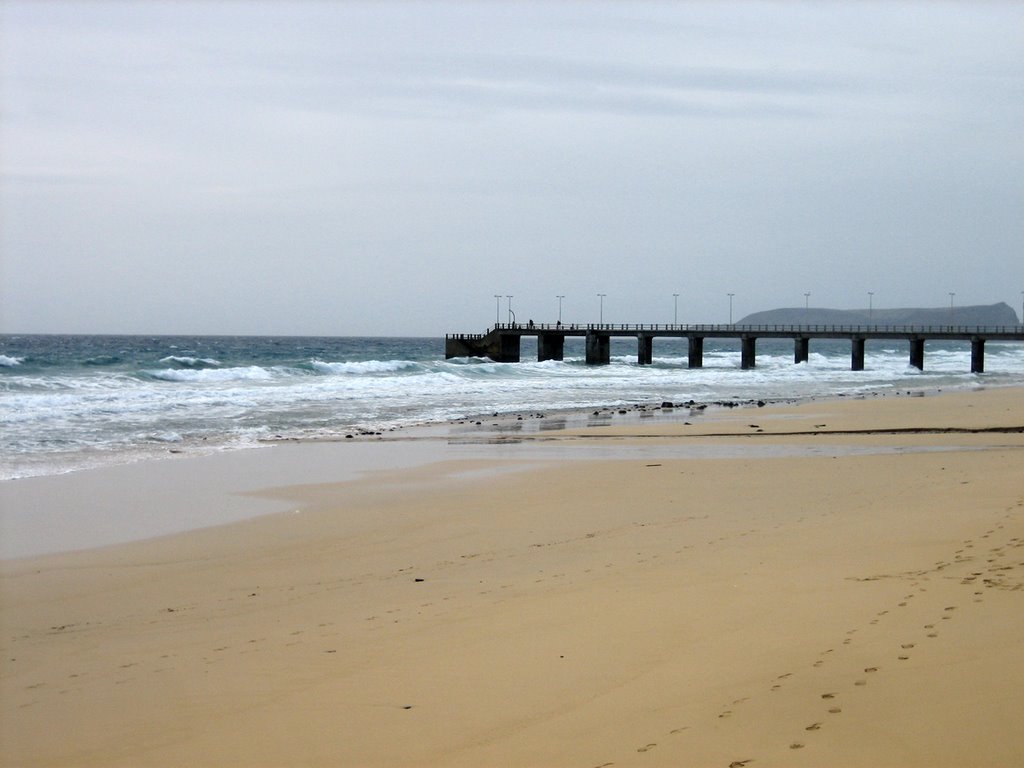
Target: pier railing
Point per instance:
(737, 328)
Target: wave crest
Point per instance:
(212, 375)
(10, 362)
(197, 363)
(366, 367)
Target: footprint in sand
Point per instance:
(796, 745)
(813, 727)
(828, 695)
(739, 763)
(835, 710)
(870, 669)
(646, 747)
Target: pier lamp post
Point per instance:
(497, 308)
(1022, 307)
(509, 308)
(730, 295)
(871, 304)
(601, 314)
(560, 297)
(675, 308)
(807, 300)
(951, 295)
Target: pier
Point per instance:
(501, 343)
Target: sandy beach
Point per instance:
(837, 583)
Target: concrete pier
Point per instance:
(917, 352)
(644, 349)
(977, 355)
(502, 342)
(550, 346)
(801, 349)
(695, 354)
(857, 353)
(748, 352)
(599, 348)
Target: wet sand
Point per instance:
(847, 592)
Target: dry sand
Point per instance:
(862, 605)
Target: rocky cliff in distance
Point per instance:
(989, 314)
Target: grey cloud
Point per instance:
(483, 83)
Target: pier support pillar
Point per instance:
(644, 349)
(748, 347)
(508, 348)
(917, 353)
(550, 346)
(857, 353)
(801, 349)
(977, 355)
(599, 348)
(695, 352)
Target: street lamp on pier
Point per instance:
(730, 295)
(807, 300)
(510, 315)
(601, 315)
(560, 297)
(951, 295)
(675, 307)
(871, 304)
(497, 308)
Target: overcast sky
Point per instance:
(369, 168)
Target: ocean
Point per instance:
(73, 402)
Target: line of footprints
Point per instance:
(997, 568)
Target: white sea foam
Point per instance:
(10, 362)
(366, 367)
(244, 373)
(76, 416)
(191, 362)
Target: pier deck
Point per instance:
(501, 343)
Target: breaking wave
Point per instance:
(197, 363)
(367, 367)
(212, 375)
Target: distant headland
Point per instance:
(986, 315)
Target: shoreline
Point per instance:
(526, 420)
(218, 479)
(830, 590)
